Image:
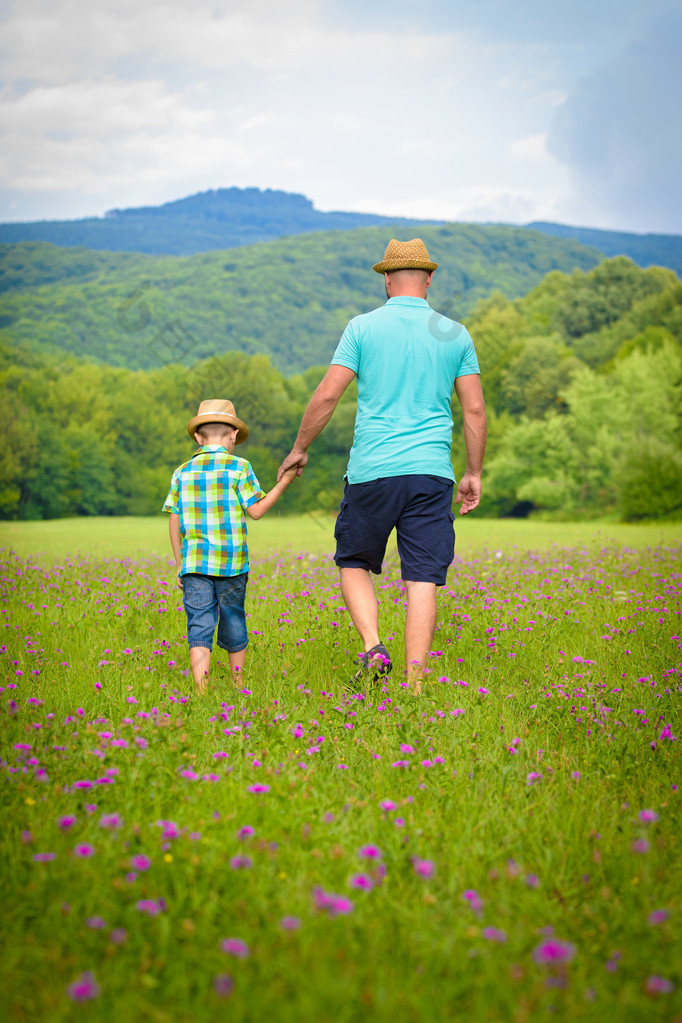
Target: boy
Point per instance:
(207, 500)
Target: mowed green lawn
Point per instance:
(129, 536)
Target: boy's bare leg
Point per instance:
(237, 664)
(420, 625)
(200, 659)
(360, 599)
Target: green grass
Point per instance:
(516, 782)
(133, 536)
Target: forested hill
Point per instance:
(643, 249)
(289, 299)
(219, 219)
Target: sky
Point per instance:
(477, 110)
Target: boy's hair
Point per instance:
(214, 431)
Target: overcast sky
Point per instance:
(485, 110)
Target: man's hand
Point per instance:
(469, 493)
(295, 460)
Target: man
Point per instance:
(407, 359)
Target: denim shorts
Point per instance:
(420, 510)
(212, 600)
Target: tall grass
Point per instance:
(504, 847)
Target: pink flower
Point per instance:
(370, 852)
(44, 857)
(290, 923)
(553, 951)
(245, 832)
(140, 862)
(223, 984)
(648, 816)
(66, 822)
(387, 805)
(362, 881)
(334, 905)
(640, 845)
(152, 907)
(259, 788)
(84, 850)
(111, 821)
(658, 986)
(423, 868)
(241, 862)
(493, 934)
(235, 947)
(405, 748)
(658, 916)
(85, 988)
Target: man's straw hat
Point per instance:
(217, 410)
(410, 255)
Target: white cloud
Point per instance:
(531, 149)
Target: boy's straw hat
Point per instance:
(410, 255)
(217, 410)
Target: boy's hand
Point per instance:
(295, 459)
(179, 579)
(288, 476)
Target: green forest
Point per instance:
(288, 299)
(582, 376)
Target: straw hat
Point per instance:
(217, 410)
(410, 255)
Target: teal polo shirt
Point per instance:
(406, 358)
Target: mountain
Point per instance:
(643, 249)
(226, 218)
(289, 299)
(222, 218)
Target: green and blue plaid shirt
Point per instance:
(210, 494)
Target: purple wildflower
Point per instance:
(84, 850)
(493, 934)
(423, 868)
(235, 947)
(85, 988)
(140, 862)
(370, 852)
(648, 816)
(658, 916)
(553, 952)
(658, 986)
(258, 788)
(44, 857)
(223, 984)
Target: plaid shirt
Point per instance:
(210, 493)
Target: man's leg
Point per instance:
(360, 599)
(420, 625)
(200, 659)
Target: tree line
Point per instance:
(583, 385)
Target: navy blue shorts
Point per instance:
(420, 510)
(212, 600)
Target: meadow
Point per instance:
(504, 847)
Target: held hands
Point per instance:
(295, 460)
(287, 476)
(469, 493)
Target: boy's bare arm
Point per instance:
(258, 510)
(176, 542)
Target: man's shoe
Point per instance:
(373, 664)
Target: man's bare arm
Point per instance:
(316, 416)
(470, 395)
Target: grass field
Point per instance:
(131, 537)
(505, 847)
